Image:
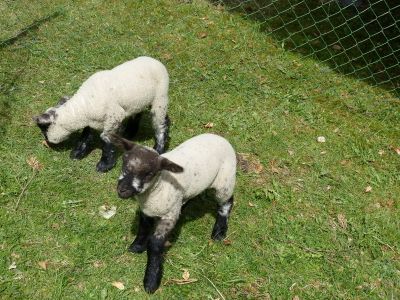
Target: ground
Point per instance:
(311, 220)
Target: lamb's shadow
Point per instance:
(141, 133)
(193, 210)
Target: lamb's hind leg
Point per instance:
(145, 227)
(155, 254)
(161, 123)
(221, 222)
(84, 145)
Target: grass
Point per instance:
(303, 224)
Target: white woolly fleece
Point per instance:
(208, 160)
(106, 98)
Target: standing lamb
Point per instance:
(163, 183)
(104, 100)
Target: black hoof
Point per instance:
(151, 284)
(103, 167)
(219, 234)
(78, 154)
(137, 248)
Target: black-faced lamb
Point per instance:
(163, 183)
(104, 100)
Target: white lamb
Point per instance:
(163, 183)
(104, 100)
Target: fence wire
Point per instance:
(355, 37)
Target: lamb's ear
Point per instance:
(44, 119)
(122, 143)
(166, 164)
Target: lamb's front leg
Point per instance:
(108, 156)
(145, 227)
(111, 125)
(155, 254)
(84, 145)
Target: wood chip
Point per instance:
(43, 264)
(118, 284)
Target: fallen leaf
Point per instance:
(185, 274)
(251, 204)
(34, 163)
(209, 125)
(296, 298)
(342, 221)
(107, 211)
(13, 266)
(55, 226)
(15, 255)
(45, 143)
(118, 284)
(43, 264)
(167, 56)
(321, 139)
(381, 152)
(97, 264)
(202, 35)
(41, 81)
(249, 163)
(368, 189)
(227, 242)
(336, 47)
(397, 150)
(291, 152)
(136, 289)
(336, 130)
(167, 244)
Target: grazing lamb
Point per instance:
(163, 183)
(104, 100)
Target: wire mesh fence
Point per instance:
(355, 37)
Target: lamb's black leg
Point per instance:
(162, 131)
(84, 144)
(155, 255)
(221, 223)
(108, 158)
(145, 227)
(132, 126)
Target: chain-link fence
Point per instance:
(355, 37)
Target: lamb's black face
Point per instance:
(43, 129)
(140, 167)
(47, 118)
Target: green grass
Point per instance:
(302, 226)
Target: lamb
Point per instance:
(163, 183)
(104, 100)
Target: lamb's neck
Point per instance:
(71, 115)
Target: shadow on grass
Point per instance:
(362, 41)
(194, 209)
(145, 131)
(28, 29)
(8, 80)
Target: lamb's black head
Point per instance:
(140, 167)
(46, 119)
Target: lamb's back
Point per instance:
(201, 158)
(131, 85)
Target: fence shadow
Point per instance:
(359, 38)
